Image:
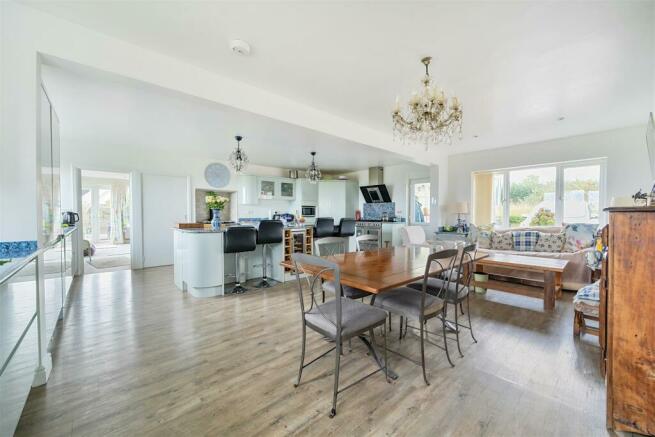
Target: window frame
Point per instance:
(559, 187)
(412, 203)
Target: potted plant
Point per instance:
(215, 203)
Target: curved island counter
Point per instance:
(204, 270)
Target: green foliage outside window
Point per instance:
(543, 217)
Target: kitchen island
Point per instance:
(203, 269)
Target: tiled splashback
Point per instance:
(16, 249)
(375, 211)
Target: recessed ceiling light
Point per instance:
(240, 47)
(560, 118)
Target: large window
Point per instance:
(419, 198)
(539, 196)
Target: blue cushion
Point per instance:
(589, 292)
(525, 241)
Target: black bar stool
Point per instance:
(345, 229)
(239, 239)
(324, 227)
(269, 232)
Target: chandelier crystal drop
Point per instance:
(430, 117)
(313, 173)
(238, 158)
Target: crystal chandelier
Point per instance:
(313, 173)
(238, 158)
(429, 118)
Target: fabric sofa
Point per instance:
(576, 274)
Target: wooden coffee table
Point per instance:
(551, 269)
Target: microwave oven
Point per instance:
(308, 210)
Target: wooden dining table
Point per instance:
(376, 271)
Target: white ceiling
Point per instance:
(516, 66)
(99, 109)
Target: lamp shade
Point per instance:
(458, 208)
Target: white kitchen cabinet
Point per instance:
(337, 199)
(287, 189)
(248, 190)
(276, 188)
(308, 191)
(268, 188)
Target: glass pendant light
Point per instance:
(238, 158)
(313, 173)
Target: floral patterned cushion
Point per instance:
(579, 236)
(502, 241)
(589, 292)
(484, 239)
(550, 242)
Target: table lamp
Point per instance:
(459, 208)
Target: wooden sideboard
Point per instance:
(627, 320)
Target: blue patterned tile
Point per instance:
(374, 211)
(17, 249)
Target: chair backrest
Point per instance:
(346, 227)
(365, 238)
(412, 235)
(465, 267)
(446, 259)
(240, 239)
(314, 280)
(329, 246)
(270, 232)
(324, 227)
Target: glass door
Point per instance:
(498, 199)
(581, 188)
(532, 197)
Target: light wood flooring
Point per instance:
(138, 357)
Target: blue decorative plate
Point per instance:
(217, 175)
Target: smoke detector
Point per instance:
(240, 47)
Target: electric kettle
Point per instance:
(70, 218)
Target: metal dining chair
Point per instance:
(454, 290)
(331, 246)
(419, 305)
(339, 319)
(366, 239)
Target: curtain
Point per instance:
(118, 212)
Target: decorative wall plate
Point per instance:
(217, 175)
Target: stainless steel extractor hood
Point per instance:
(376, 176)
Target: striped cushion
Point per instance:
(525, 241)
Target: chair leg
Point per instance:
(238, 288)
(425, 377)
(468, 311)
(264, 282)
(457, 332)
(323, 296)
(445, 339)
(400, 328)
(386, 358)
(461, 308)
(302, 354)
(577, 323)
(333, 412)
(389, 321)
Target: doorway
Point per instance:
(106, 207)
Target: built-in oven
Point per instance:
(308, 211)
(369, 228)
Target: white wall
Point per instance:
(625, 150)
(27, 33)
(125, 159)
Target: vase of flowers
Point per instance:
(215, 203)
